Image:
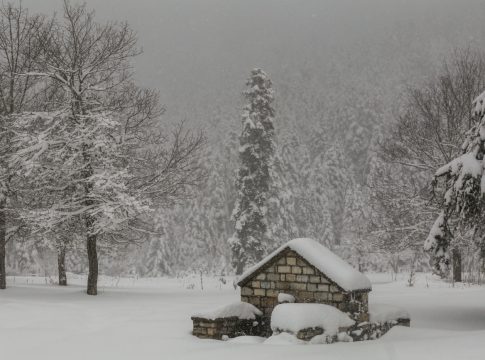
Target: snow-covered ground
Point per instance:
(150, 319)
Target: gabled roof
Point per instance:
(332, 266)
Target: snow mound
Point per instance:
(247, 340)
(336, 269)
(296, 317)
(242, 310)
(379, 313)
(285, 298)
(283, 339)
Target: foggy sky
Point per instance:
(199, 52)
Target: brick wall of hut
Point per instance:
(289, 273)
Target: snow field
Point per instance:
(150, 319)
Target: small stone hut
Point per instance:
(309, 272)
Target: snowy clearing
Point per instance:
(150, 319)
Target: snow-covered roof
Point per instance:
(242, 310)
(332, 266)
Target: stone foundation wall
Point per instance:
(289, 273)
(359, 332)
(372, 331)
(230, 327)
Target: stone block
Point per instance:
(284, 269)
(290, 277)
(302, 278)
(311, 287)
(315, 279)
(259, 292)
(296, 270)
(282, 261)
(309, 333)
(297, 286)
(272, 293)
(321, 296)
(281, 285)
(323, 287)
(244, 299)
(301, 262)
(255, 284)
(334, 288)
(265, 285)
(308, 270)
(200, 331)
(261, 276)
(273, 277)
(291, 261)
(306, 296)
(245, 291)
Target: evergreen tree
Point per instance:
(462, 186)
(254, 175)
(336, 184)
(156, 256)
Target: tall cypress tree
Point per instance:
(253, 181)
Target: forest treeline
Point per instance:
(91, 169)
(356, 173)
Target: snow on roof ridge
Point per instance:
(330, 264)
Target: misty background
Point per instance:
(198, 53)
(340, 71)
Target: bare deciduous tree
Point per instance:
(428, 135)
(104, 143)
(21, 39)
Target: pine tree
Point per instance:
(155, 261)
(254, 175)
(462, 188)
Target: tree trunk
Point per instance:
(456, 265)
(90, 222)
(3, 234)
(61, 265)
(93, 266)
(239, 268)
